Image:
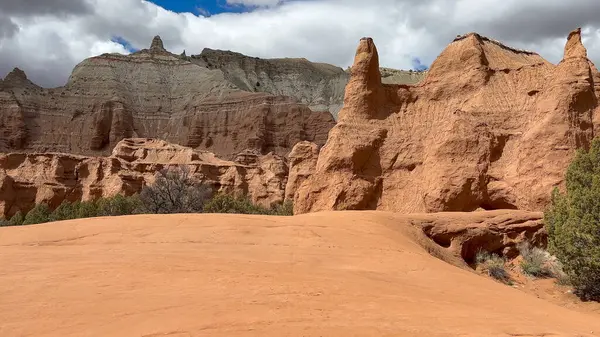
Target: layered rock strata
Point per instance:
(151, 94)
(27, 179)
(490, 127)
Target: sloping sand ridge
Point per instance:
(320, 274)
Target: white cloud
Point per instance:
(47, 46)
(251, 3)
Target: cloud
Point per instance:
(254, 3)
(48, 44)
(45, 7)
(202, 11)
(7, 27)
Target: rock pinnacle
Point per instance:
(157, 44)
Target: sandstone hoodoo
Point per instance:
(27, 179)
(151, 94)
(490, 127)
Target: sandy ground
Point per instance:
(325, 274)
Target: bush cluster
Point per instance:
(226, 203)
(41, 213)
(536, 261)
(573, 223)
(493, 264)
(172, 192)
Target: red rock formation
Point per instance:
(302, 162)
(500, 231)
(489, 127)
(151, 94)
(27, 179)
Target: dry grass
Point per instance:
(494, 265)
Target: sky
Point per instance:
(47, 38)
(210, 7)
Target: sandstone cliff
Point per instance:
(27, 179)
(151, 93)
(489, 127)
(319, 85)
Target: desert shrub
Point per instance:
(119, 205)
(493, 265)
(17, 219)
(174, 192)
(536, 261)
(573, 223)
(39, 214)
(227, 203)
(85, 209)
(285, 209)
(112, 206)
(65, 211)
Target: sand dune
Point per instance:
(323, 274)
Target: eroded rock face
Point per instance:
(489, 127)
(151, 94)
(500, 231)
(319, 85)
(27, 179)
(302, 162)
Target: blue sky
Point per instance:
(215, 7)
(203, 7)
(198, 7)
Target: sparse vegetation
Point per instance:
(173, 192)
(226, 203)
(536, 261)
(17, 219)
(285, 209)
(119, 205)
(573, 223)
(39, 214)
(494, 265)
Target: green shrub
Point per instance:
(17, 219)
(65, 211)
(174, 191)
(85, 209)
(119, 205)
(285, 209)
(39, 214)
(227, 203)
(113, 206)
(573, 223)
(493, 265)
